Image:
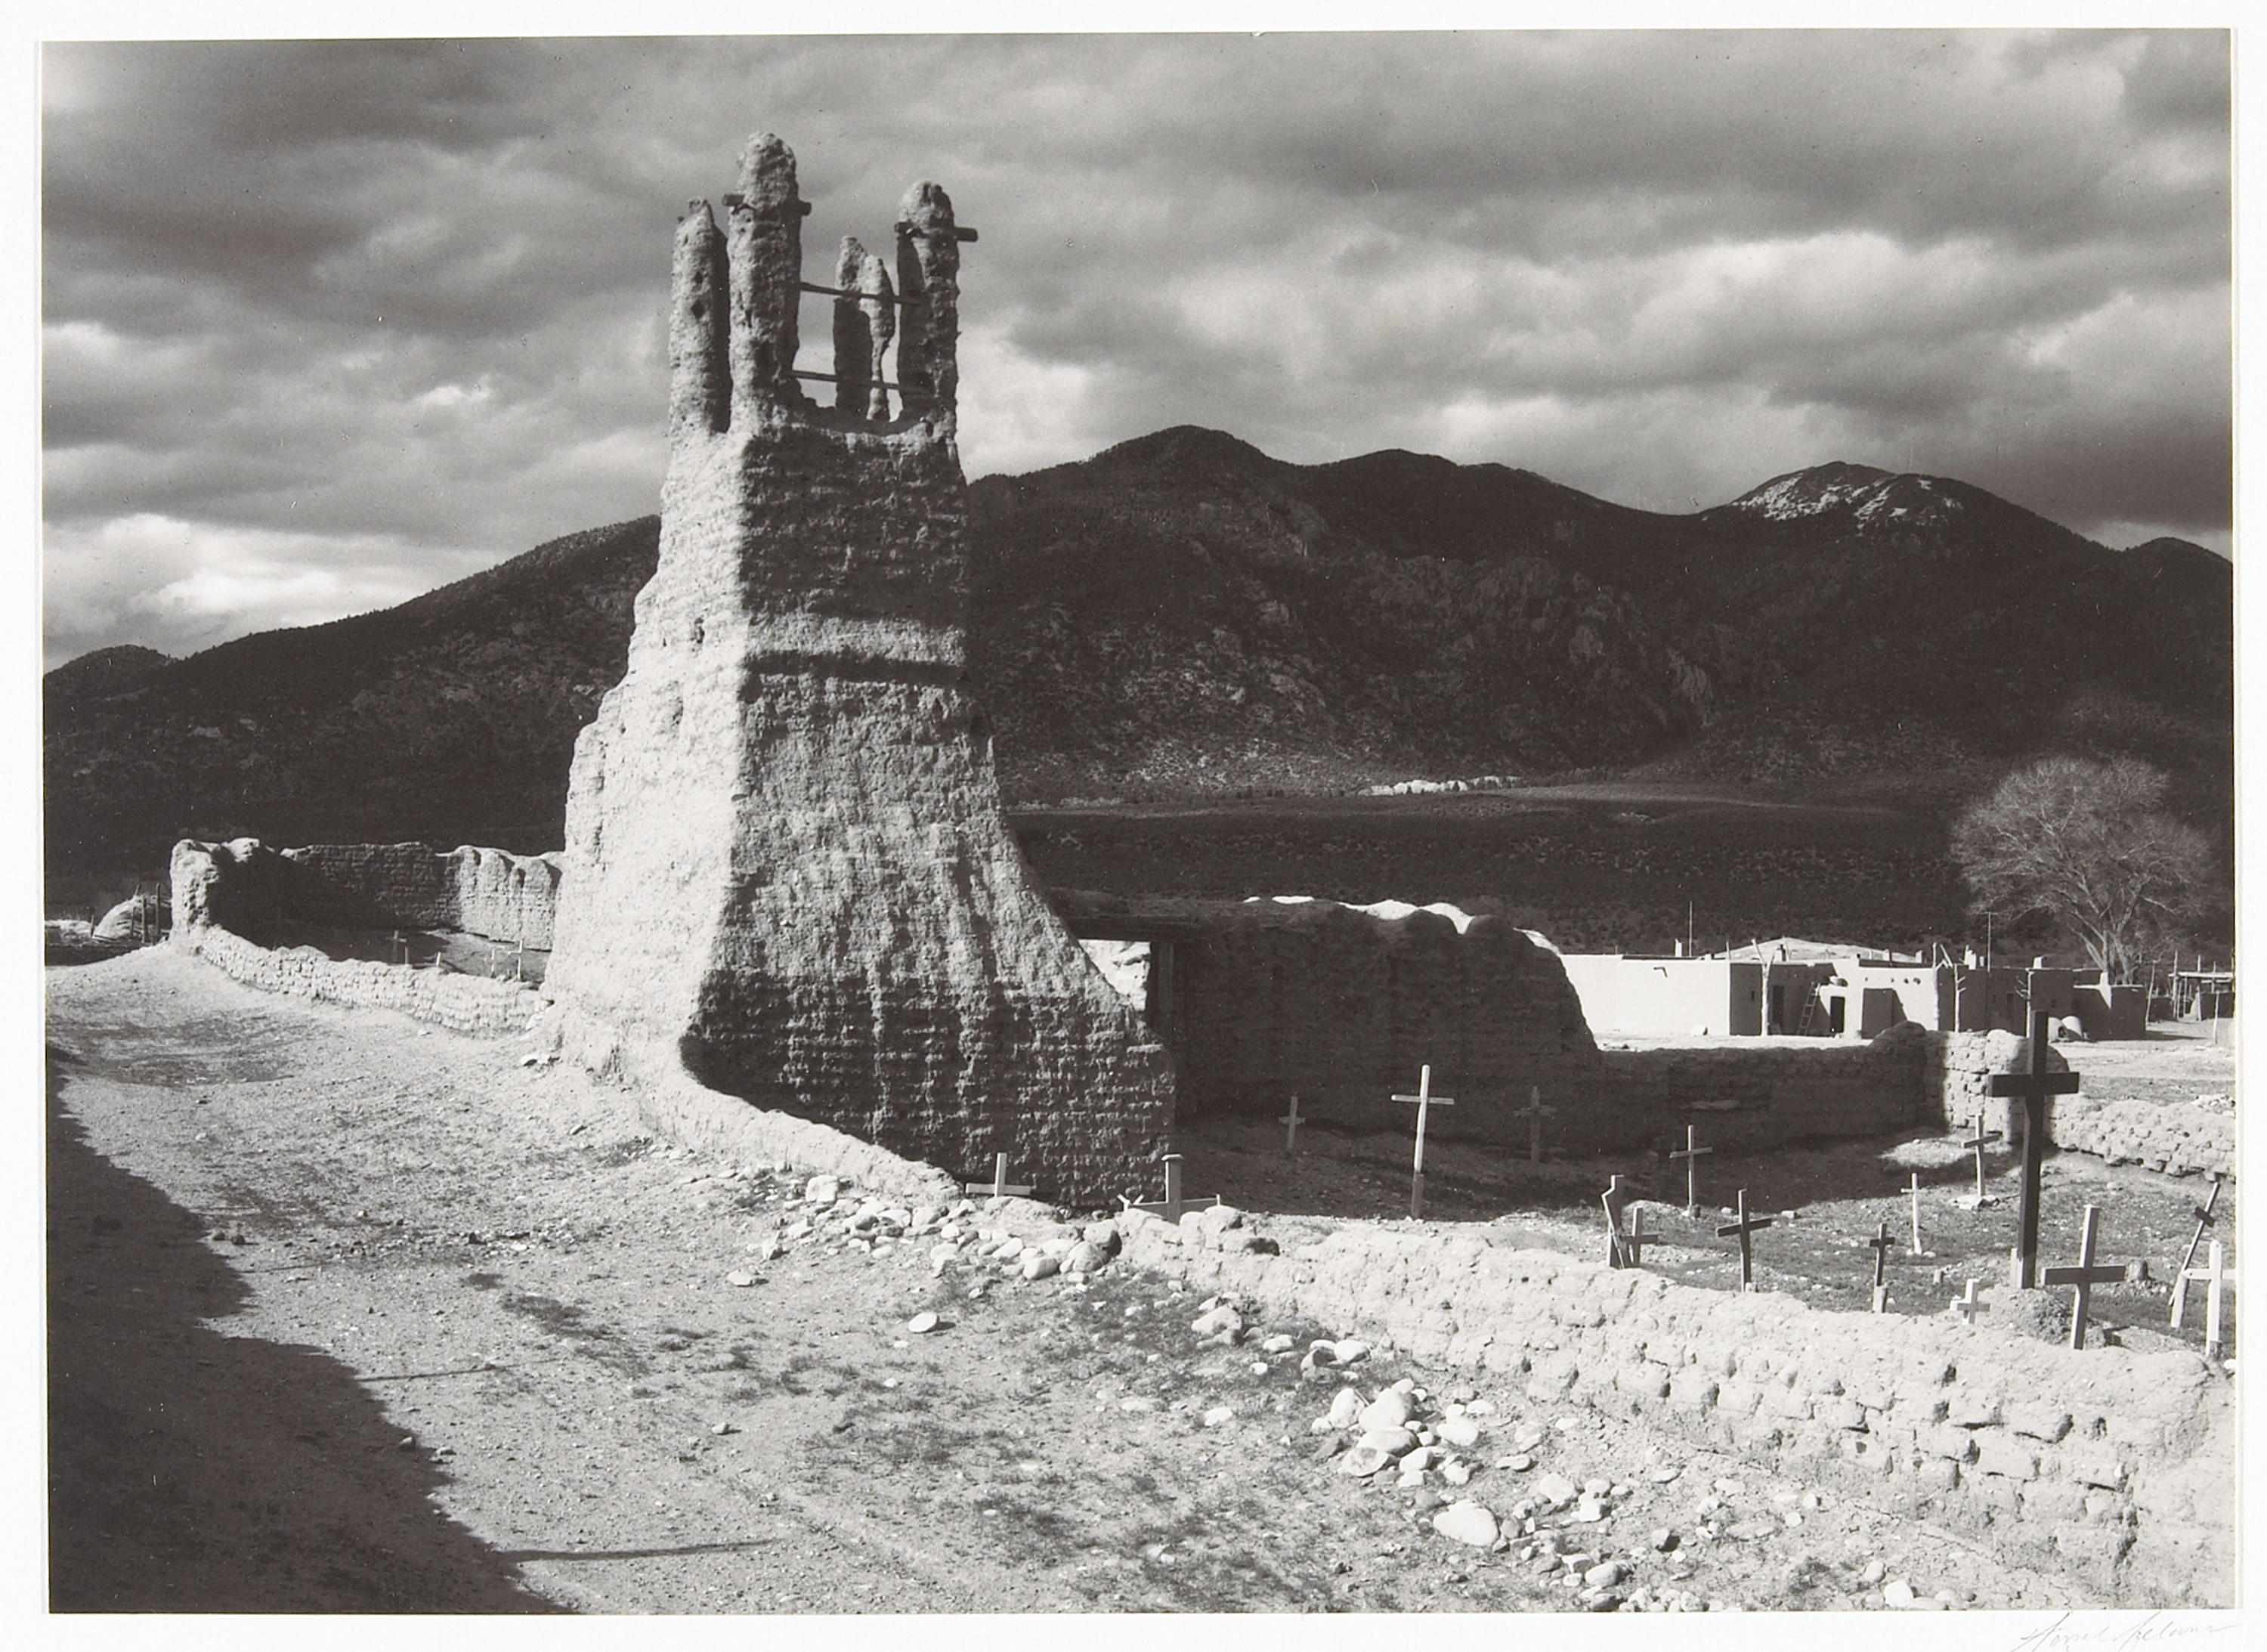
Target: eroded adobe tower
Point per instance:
(787, 865)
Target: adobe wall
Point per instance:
(2115, 1466)
(244, 885)
(1667, 997)
(1751, 1095)
(787, 865)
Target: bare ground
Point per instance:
(350, 1315)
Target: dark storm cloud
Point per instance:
(329, 322)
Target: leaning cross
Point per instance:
(2084, 1277)
(1614, 1199)
(2214, 1274)
(1290, 1123)
(1879, 1245)
(1978, 1141)
(1746, 1225)
(998, 1186)
(1535, 1112)
(1172, 1204)
(1966, 1305)
(1425, 1101)
(2181, 1273)
(2032, 1088)
(1691, 1154)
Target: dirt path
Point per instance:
(347, 1314)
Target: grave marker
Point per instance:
(1637, 1238)
(1915, 1187)
(2214, 1274)
(1879, 1245)
(1966, 1305)
(1746, 1225)
(1615, 1200)
(1535, 1112)
(1691, 1158)
(2181, 1273)
(2032, 1088)
(1172, 1206)
(1425, 1101)
(2083, 1277)
(1290, 1123)
(997, 1187)
(1978, 1141)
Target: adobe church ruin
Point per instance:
(786, 863)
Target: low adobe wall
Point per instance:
(470, 1004)
(1754, 1096)
(2194, 1138)
(2115, 1467)
(246, 886)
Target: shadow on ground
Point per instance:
(191, 1471)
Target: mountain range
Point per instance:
(1182, 615)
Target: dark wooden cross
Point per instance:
(1966, 1305)
(1691, 1154)
(2181, 1273)
(1535, 1112)
(2032, 1088)
(1425, 1101)
(1290, 1123)
(998, 1186)
(2084, 1277)
(1979, 1140)
(2213, 1275)
(1172, 1204)
(1879, 1245)
(1746, 1225)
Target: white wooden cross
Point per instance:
(1172, 1204)
(2214, 1274)
(1979, 1140)
(1425, 1101)
(1915, 1187)
(1637, 1238)
(2181, 1273)
(1290, 1123)
(1614, 1199)
(2083, 1277)
(1691, 1154)
(998, 1186)
(1535, 1112)
(1966, 1305)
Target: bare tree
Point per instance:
(2091, 845)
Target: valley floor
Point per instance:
(347, 1314)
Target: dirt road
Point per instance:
(347, 1314)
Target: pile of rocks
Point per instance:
(833, 1209)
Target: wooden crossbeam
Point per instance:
(1535, 1112)
(1746, 1225)
(844, 292)
(2083, 1277)
(2214, 1275)
(2188, 1261)
(1172, 1207)
(1425, 1101)
(1691, 1154)
(997, 1187)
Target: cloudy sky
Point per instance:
(328, 324)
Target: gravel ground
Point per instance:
(347, 1314)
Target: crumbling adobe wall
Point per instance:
(787, 866)
(226, 894)
(2195, 1138)
(2116, 1466)
(1747, 1097)
(1343, 1004)
(246, 886)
